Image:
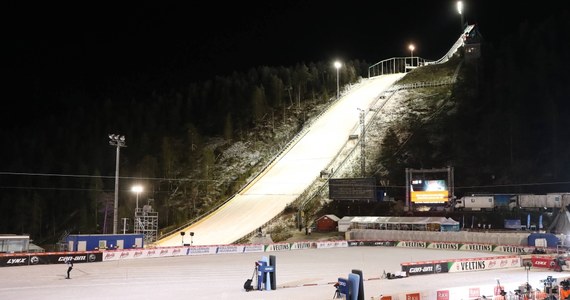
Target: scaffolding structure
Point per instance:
(146, 222)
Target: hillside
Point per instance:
(501, 126)
(408, 109)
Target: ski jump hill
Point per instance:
(293, 171)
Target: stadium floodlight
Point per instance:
(460, 11)
(411, 47)
(137, 189)
(118, 141)
(337, 65)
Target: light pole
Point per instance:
(118, 141)
(411, 47)
(125, 225)
(137, 189)
(337, 65)
(362, 142)
(527, 267)
(460, 10)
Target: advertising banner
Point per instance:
(372, 243)
(21, 260)
(254, 248)
(443, 295)
(513, 249)
(486, 263)
(444, 246)
(412, 244)
(332, 244)
(383, 243)
(303, 245)
(228, 249)
(499, 289)
(474, 292)
(201, 250)
(278, 247)
(418, 269)
(49, 258)
(544, 262)
(429, 191)
(477, 247)
(413, 296)
(412, 269)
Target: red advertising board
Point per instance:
(443, 295)
(498, 290)
(474, 292)
(414, 296)
(542, 262)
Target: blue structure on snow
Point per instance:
(90, 242)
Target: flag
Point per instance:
(528, 221)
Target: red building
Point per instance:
(327, 223)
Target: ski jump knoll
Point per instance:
(289, 174)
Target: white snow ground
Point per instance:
(300, 274)
(295, 170)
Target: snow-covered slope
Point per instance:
(290, 174)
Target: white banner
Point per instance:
(332, 244)
(484, 263)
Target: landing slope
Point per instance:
(290, 174)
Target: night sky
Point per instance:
(54, 46)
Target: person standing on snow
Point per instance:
(69, 268)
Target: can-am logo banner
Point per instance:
(426, 268)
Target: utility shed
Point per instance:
(90, 242)
(11, 243)
(344, 223)
(327, 223)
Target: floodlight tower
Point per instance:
(137, 189)
(337, 65)
(412, 47)
(460, 11)
(118, 141)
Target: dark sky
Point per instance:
(59, 44)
